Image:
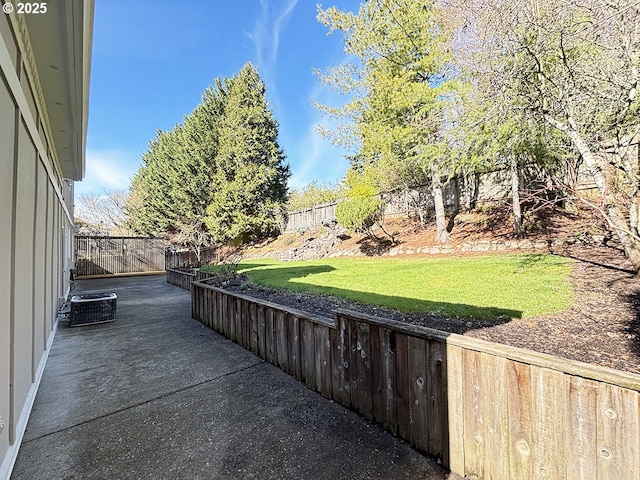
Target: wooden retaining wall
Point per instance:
(181, 278)
(487, 411)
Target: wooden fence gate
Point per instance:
(97, 255)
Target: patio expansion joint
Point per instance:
(150, 400)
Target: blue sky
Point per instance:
(152, 59)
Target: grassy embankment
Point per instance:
(484, 287)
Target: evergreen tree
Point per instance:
(151, 184)
(248, 186)
(400, 93)
(217, 175)
(173, 185)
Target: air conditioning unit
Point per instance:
(92, 308)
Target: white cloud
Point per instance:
(265, 37)
(266, 33)
(107, 170)
(317, 158)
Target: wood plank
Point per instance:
(618, 436)
(246, 324)
(455, 460)
(282, 341)
(571, 367)
(202, 306)
(363, 362)
(377, 375)
(402, 386)
(253, 327)
(418, 403)
(219, 311)
(269, 336)
(323, 360)
(308, 353)
(194, 302)
(194, 306)
(202, 300)
(336, 363)
(237, 320)
(224, 320)
(293, 311)
(261, 323)
(530, 439)
(216, 312)
(240, 323)
(581, 435)
(196, 311)
(340, 361)
(495, 417)
(585, 370)
(436, 389)
(520, 421)
(293, 334)
(208, 307)
(549, 414)
(388, 348)
(229, 319)
(473, 398)
(351, 349)
(215, 309)
(237, 323)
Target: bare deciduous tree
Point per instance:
(574, 65)
(105, 214)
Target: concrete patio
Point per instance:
(157, 395)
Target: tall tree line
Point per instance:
(219, 174)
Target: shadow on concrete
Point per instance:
(158, 395)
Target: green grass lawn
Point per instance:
(483, 287)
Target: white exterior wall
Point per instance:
(35, 241)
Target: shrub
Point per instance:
(359, 213)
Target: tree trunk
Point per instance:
(630, 243)
(614, 217)
(442, 235)
(634, 213)
(631, 159)
(515, 195)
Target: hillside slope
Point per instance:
(602, 326)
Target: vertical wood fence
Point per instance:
(459, 192)
(184, 259)
(312, 217)
(97, 255)
(485, 410)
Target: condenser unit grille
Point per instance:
(92, 308)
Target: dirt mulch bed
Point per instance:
(602, 327)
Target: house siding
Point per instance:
(35, 241)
